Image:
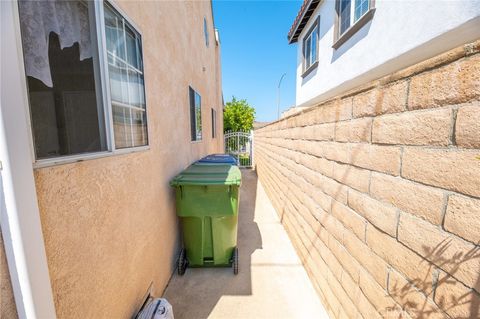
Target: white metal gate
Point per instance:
(240, 145)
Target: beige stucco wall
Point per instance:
(7, 302)
(109, 224)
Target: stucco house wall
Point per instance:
(109, 224)
(7, 302)
(400, 34)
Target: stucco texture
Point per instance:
(7, 302)
(109, 224)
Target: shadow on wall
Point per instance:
(448, 293)
(357, 37)
(205, 286)
(464, 302)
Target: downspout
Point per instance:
(19, 213)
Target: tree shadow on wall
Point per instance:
(457, 300)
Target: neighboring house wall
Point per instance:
(379, 190)
(400, 34)
(8, 309)
(109, 224)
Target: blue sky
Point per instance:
(255, 52)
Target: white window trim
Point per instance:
(87, 156)
(106, 98)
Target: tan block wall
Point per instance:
(109, 224)
(379, 190)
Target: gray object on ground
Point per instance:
(158, 308)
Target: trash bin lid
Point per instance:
(208, 175)
(218, 159)
(207, 169)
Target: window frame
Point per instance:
(195, 139)
(355, 25)
(104, 85)
(306, 70)
(105, 60)
(214, 123)
(205, 32)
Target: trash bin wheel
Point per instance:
(235, 261)
(182, 262)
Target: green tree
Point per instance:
(238, 115)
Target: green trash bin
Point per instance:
(207, 200)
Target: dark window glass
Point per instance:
(214, 123)
(344, 15)
(195, 115)
(60, 54)
(205, 32)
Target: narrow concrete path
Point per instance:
(272, 282)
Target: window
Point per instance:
(195, 115)
(205, 32)
(351, 16)
(125, 65)
(361, 7)
(77, 105)
(214, 123)
(310, 48)
(345, 15)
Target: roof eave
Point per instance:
(302, 21)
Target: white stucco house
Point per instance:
(345, 43)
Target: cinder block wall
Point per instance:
(379, 190)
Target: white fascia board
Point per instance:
(20, 216)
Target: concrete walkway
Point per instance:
(272, 282)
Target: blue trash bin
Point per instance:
(218, 159)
